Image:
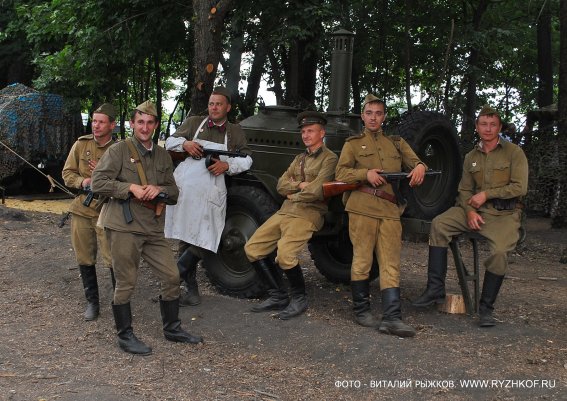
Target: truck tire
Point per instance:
(229, 270)
(434, 139)
(332, 256)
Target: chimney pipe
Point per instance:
(341, 70)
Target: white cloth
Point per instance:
(198, 217)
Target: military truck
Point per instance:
(275, 139)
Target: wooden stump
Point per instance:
(453, 304)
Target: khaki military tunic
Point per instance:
(300, 215)
(502, 174)
(374, 223)
(143, 237)
(84, 231)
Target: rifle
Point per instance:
(207, 153)
(157, 205)
(334, 188)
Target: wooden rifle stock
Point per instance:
(334, 188)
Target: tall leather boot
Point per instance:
(392, 316)
(90, 284)
(172, 325)
(361, 303)
(112, 278)
(187, 265)
(278, 298)
(490, 288)
(298, 302)
(126, 338)
(436, 274)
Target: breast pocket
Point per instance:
(501, 174)
(367, 158)
(129, 173)
(161, 173)
(476, 173)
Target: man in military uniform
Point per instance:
(495, 177)
(81, 161)
(294, 224)
(198, 218)
(374, 215)
(138, 176)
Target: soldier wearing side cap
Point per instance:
(495, 178)
(197, 220)
(294, 224)
(136, 173)
(81, 161)
(374, 215)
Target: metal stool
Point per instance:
(462, 272)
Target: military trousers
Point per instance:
(84, 236)
(127, 248)
(383, 237)
(288, 234)
(501, 231)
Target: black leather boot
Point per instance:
(112, 279)
(278, 298)
(490, 288)
(187, 265)
(361, 303)
(172, 325)
(90, 284)
(126, 338)
(392, 317)
(298, 302)
(436, 274)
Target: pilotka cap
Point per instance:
(221, 90)
(369, 99)
(488, 111)
(108, 109)
(148, 108)
(310, 117)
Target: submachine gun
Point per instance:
(334, 188)
(208, 154)
(157, 205)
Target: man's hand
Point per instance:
(86, 182)
(374, 178)
(416, 175)
(193, 148)
(145, 192)
(92, 164)
(303, 184)
(475, 220)
(478, 200)
(218, 167)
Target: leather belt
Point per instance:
(379, 193)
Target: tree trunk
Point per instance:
(467, 130)
(560, 218)
(277, 73)
(159, 95)
(232, 71)
(544, 63)
(407, 52)
(208, 24)
(255, 78)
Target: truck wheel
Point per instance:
(434, 139)
(228, 269)
(332, 256)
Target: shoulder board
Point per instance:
(350, 138)
(85, 137)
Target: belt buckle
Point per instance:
(375, 192)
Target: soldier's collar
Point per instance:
(373, 134)
(316, 153)
(141, 148)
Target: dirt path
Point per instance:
(48, 352)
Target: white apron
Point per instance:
(198, 217)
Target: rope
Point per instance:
(52, 181)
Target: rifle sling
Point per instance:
(379, 193)
(136, 157)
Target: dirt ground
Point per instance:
(47, 351)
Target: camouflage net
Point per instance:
(547, 190)
(35, 125)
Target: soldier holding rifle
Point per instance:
(374, 215)
(81, 161)
(139, 174)
(198, 218)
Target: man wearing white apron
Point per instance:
(198, 218)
